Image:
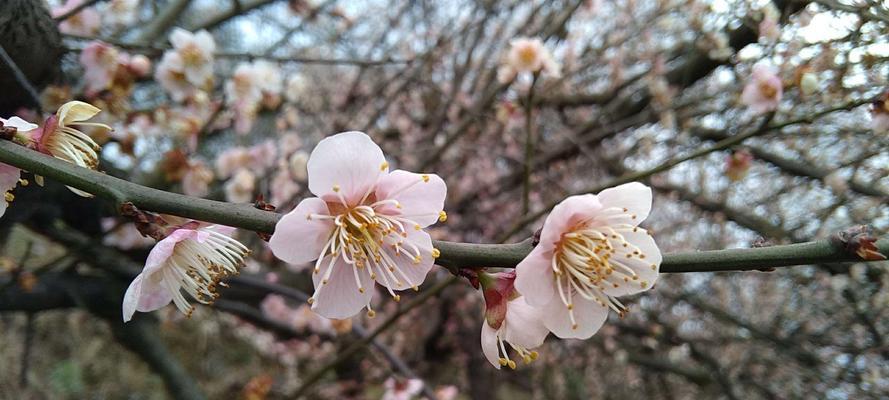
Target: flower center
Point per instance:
(199, 268)
(767, 90)
(594, 257)
(528, 55)
(192, 55)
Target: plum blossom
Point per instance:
(100, 62)
(196, 179)
(196, 52)
(365, 226)
(85, 23)
(591, 251)
(764, 90)
(401, 389)
(299, 166)
(239, 189)
(509, 320)
(193, 258)
(119, 13)
(10, 176)
(879, 114)
(189, 66)
(738, 164)
(60, 139)
(527, 55)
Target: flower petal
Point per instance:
(340, 297)
(350, 161)
(412, 274)
(567, 214)
(145, 294)
(589, 316)
(534, 277)
(421, 196)
(489, 345)
(524, 324)
(641, 266)
(634, 196)
(298, 239)
(19, 124)
(164, 249)
(76, 111)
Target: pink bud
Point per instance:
(140, 65)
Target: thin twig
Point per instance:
(21, 78)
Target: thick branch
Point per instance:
(452, 254)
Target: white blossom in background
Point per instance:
(527, 56)
(240, 188)
(764, 90)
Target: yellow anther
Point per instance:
(436, 253)
(361, 290)
(570, 306)
(324, 281)
(9, 197)
(418, 259)
(643, 284)
(534, 355)
(425, 178)
(511, 364)
(384, 165)
(417, 227)
(527, 359)
(371, 313)
(23, 182)
(311, 300)
(503, 362)
(574, 326)
(397, 298)
(336, 188)
(416, 289)
(442, 216)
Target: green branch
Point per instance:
(453, 255)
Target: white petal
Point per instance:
(489, 345)
(298, 239)
(350, 161)
(415, 272)
(589, 316)
(634, 196)
(340, 297)
(566, 215)
(524, 324)
(642, 267)
(534, 277)
(421, 196)
(19, 124)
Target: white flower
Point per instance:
(591, 250)
(239, 189)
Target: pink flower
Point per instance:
(85, 23)
(591, 250)
(171, 76)
(239, 189)
(100, 62)
(195, 260)
(879, 114)
(124, 236)
(231, 160)
(737, 164)
(399, 389)
(139, 65)
(764, 90)
(527, 55)
(196, 180)
(446, 393)
(196, 52)
(9, 178)
(284, 188)
(365, 226)
(509, 320)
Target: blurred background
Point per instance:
(650, 90)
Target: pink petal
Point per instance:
(415, 273)
(566, 215)
(164, 249)
(534, 277)
(589, 316)
(634, 196)
(145, 295)
(350, 161)
(524, 324)
(489, 345)
(340, 297)
(421, 199)
(298, 239)
(642, 267)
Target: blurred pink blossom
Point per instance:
(764, 89)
